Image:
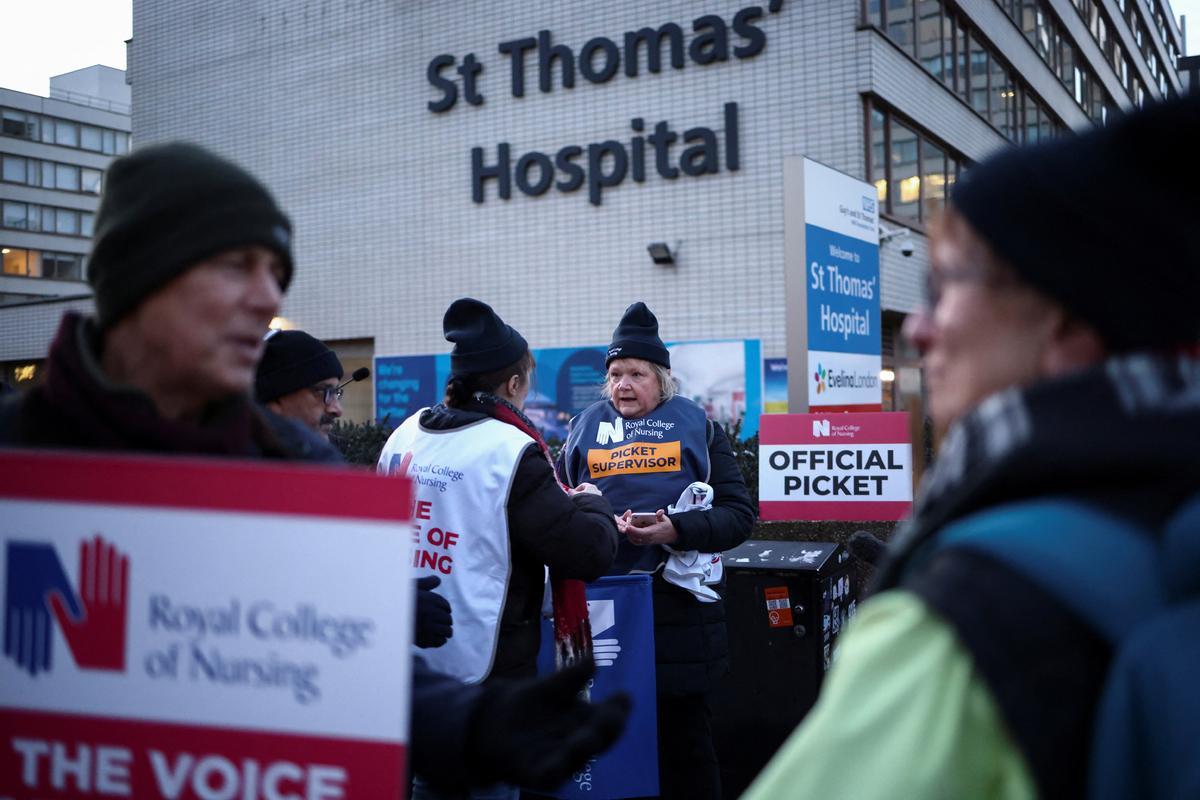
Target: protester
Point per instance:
(1059, 345)
(491, 515)
(641, 407)
(299, 377)
(189, 264)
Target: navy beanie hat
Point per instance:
(167, 207)
(636, 336)
(293, 360)
(482, 342)
(1103, 223)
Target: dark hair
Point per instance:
(460, 388)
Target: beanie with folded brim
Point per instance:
(1103, 223)
(293, 360)
(167, 208)
(482, 341)
(636, 336)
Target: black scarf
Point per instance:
(1124, 435)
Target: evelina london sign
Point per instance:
(605, 164)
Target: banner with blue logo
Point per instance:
(621, 610)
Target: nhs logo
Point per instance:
(609, 432)
(868, 204)
(820, 428)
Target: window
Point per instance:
(62, 266)
(90, 180)
(87, 224)
(122, 143)
(90, 138)
(35, 217)
(66, 176)
(906, 177)
(929, 36)
(900, 23)
(18, 123)
(66, 133)
(109, 145)
(66, 222)
(979, 77)
(21, 262)
(1003, 96)
(16, 215)
(14, 169)
(911, 172)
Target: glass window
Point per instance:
(1043, 35)
(1029, 19)
(18, 123)
(90, 138)
(1045, 124)
(87, 223)
(905, 176)
(961, 68)
(933, 179)
(879, 161)
(900, 23)
(47, 130)
(48, 215)
(1031, 119)
(14, 169)
(47, 174)
(35, 217)
(929, 36)
(109, 146)
(979, 77)
(90, 180)
(122, 143)
(16, 261)
(1066, 69)
(66, 222)
(15, 215)
(948, 49)
(1002, 99)
(66, 176)
(66, 133)
(875, 13)
(63, 266)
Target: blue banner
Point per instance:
(843, 293)
(622, 615)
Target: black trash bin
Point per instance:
(786, 603)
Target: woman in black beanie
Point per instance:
(645, 446)
(492, 516)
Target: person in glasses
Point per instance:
(300, 378)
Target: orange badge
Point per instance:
(634, 459)
(779, 608)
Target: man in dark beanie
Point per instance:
(189, 265)
(299, 377)
(1033, 627)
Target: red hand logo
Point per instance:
(97, 639)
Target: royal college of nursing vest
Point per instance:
(641, 464)
(461, 481)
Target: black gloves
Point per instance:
(536, 732)
(434, 623)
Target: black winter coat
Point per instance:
(691, 644)
(575, 536)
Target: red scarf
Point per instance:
(572, 630)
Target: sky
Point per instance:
(49, 37)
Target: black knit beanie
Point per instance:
(1104, 223)
(293, 360)
(636, 336)
(167, 207)
(482, 342)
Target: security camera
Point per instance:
(902, 235)
(906, 247)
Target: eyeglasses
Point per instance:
(328, 393)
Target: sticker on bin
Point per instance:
(779, 608)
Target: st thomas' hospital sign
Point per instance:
(605, 164)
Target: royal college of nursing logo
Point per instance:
(92, 619)
(609, 432)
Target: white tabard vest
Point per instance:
(461, 482)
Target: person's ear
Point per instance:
(1074, 345)
(514, 385)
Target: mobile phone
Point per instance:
(643, 518)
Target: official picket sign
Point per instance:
(202, 629)
(834, 466)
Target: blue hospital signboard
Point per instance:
(834, 317)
